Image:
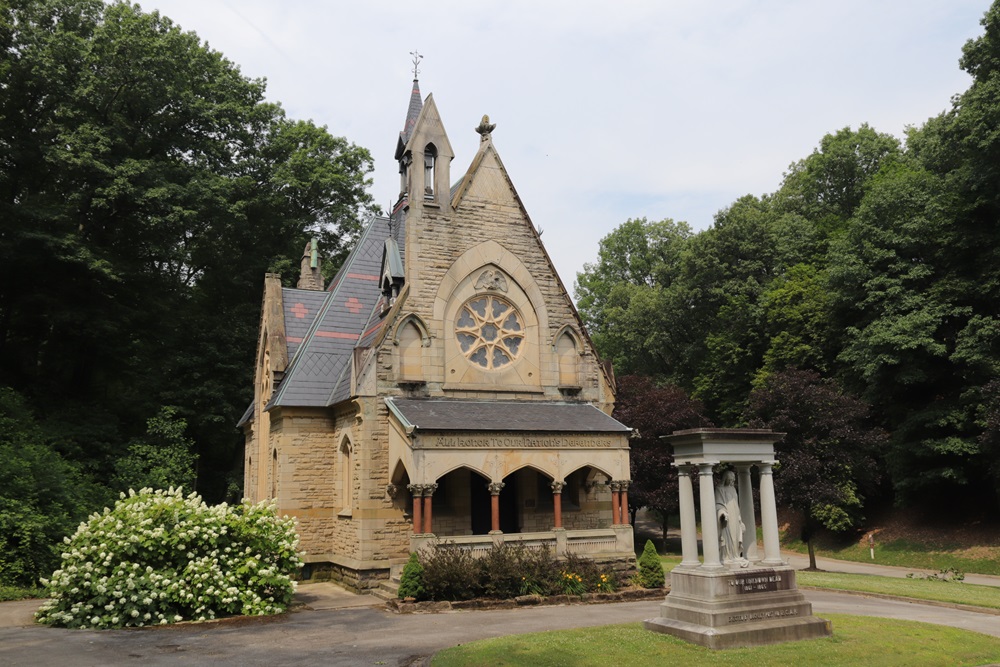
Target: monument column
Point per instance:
(623, 499)
(495, 488)
(769, 517)
(745, 492)
(616, 499)
(689, 528)
(557, 488)
(429, 490)
(418, 502)
(709, 525)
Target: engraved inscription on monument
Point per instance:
(763, 615)
(761, 580)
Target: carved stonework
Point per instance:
(416, 489)
(557, 487)
(493, 279)
(623, 485)
(429, 490)
(485, 128)
(391, 490)
(495, 488)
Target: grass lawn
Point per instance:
(942, 591)
(907, 553)
(856, 641)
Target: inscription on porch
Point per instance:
(481, 441)
(759, 581)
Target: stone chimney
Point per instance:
(310, 276)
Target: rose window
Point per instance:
(489, 331)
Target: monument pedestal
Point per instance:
(729, 608)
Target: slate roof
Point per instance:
(458, 415)
(301, 307)
(319, 373)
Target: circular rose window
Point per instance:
(489, 331)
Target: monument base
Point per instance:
(729, 608)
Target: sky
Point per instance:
(605, 111)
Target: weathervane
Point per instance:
(416, 61)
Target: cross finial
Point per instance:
(416, 61)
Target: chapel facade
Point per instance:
(441, 389)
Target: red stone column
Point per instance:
(557, 488)
(418, 522)
(495, 488)
(616, 503)
(429, 490)
(624, 502)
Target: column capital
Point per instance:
(623, 484)
(429, 490)
(615, 485)
(557, 487)
(495, 488)
(765, 468)
(685, 469)
(416, 489)
(706, 469)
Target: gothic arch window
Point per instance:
(411, 338)
(430, 163)
(346, 476)
(490, 331)
(568, 357)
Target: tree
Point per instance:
(653, 412)
(624, 298)
(146, 186)
(42, 496)
(163, 459)
(827, 457)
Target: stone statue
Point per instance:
(727, 508)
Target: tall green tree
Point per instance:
(146, 186)
(827, 457)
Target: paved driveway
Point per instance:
(372, 636)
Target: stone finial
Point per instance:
(310, 276)
(485, 128)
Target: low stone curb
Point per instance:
(900, 598)
(627, 595)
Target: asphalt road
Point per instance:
(373, 636)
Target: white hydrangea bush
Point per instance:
(159, 557)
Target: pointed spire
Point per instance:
(416, 103)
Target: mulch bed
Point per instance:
(624, 595)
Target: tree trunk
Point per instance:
(812, 555)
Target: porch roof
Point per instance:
(538, 416)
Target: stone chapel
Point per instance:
(441, 389)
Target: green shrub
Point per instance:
(159, 557)
(452, 573)
(650, 567)
(411, 583)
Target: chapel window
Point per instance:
(430, 158)
(489, 331)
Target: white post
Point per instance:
(746, 512)
(709, 524)
(689, 527)
(769, 517)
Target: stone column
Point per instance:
(429, 490)
(689, 527)
(418, 503)
(624, 502)
(557, 488)
(709, 524)
(616, 503)
(769, 517)
(495, 488)
(745, 491)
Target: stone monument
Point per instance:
(733, 597)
